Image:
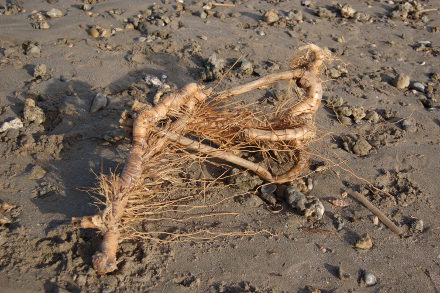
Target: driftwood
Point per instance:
(206, 123)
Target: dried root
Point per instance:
(195, 122)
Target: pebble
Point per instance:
(369, 279)
(106, 33)
(99, 103)
(335, 73)
(33, 113)
(375, 220)
(401, 81)
(37, 172)
(306, 3)
(347, 11)
(213, 67)
(243, 180)
(54, 13)
(32, 48)
(271, 16)
(365, 243)
(325, 13)
(345, 111)
(38, 21)
(418, 86)
(345, 120)
(246, 67)
(86, 7)
(417, 226)
(40, 70)
(94, 32)
(335, 102)
(338, 222)
(358, 114)
(310, 206)
(295, 15)
(372, 116)
(361, 147)
(13, 124)
(409, 125)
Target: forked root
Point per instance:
(182, 120)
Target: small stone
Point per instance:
(335, 102)
(13, 124)
(94, 32)
(401, 81)
(365, 243)
(267, 193)
(243, 180)
(246, 67)
(358, 114)
(99, 103)
(106, 33)
(310, 206)
(335, 73)
(34, 51)
(409, 125)
(54, 13)
(417, 226)
(375, 220)
(361, 147)
(418, 86)
(345, 111)
(345, 120)
(338, 222)
(362, 17)
(271, 16)
(31, 48)
(86, 7)
(213, 68)
(372, 117)
(37, 172)
(325, 13)
(369, 279)
(295, 15)
(202, 14)
(347, 11)
(33, 113)
(38, 21)
(306, 3)
(129, 26)
(40, 71)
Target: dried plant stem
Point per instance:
(382, 217)
(104, 261)
(214, 152)
(156, 131)
(300, 133)
(259, 83)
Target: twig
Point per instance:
(223, 4)
(384, 219)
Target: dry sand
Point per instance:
(40, 251)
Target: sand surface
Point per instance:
(41, 252)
